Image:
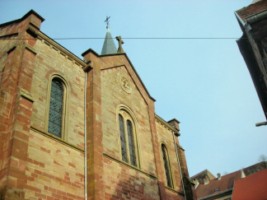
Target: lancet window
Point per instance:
(56, 106)
(166, 163)
(127, 139)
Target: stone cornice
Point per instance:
(49, 41)
(166, 124)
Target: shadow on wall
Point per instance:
(133, 184)
(127, 189)
(139, 189)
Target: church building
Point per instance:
(74, 128)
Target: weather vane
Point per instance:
(107, 22)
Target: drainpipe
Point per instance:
(86, 69)
(179, 164)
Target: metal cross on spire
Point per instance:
(107, 22)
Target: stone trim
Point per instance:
(11, 49)
(9, 35)
(180, 147)
(30, 49)
(26, 95)
(166, 124)
(173, 190)
(128, 165)
(49, 41)
(57, 139)
(23, 18)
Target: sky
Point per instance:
(186, 54)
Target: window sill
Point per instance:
(173, 190)
(128, 165)
(46, 134)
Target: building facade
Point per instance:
(74, 128)
(253, 45)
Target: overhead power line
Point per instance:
(137, 38)
(153, 38)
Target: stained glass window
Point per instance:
(123, 139)
(127, 138)
(131, 142)
(56, 107)
(166, 165)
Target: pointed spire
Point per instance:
(108, 46)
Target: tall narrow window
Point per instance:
(123, 139)
(166, 165)
(56, 107)
(131, 143)
(127, 138)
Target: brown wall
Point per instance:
(166, 136)
(33, 163)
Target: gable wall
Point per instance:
(114, 97)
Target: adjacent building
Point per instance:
(233, 185)
(74, 128)
(252, 187)
(253, 45)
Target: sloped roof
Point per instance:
(218, 186)
(108, 46)
(202, 174)
(225, 184)
(252, 10)
(251, 187)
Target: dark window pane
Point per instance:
(123, 140)
(131, 143)
(56, 107)
(166, 165)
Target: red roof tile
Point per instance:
(217, 186)
(253, 187)
(252, 9)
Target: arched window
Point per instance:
(166, 165)
(127, 139)
(131, 143)
(56, 107)
(123, 140)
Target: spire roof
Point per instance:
(108, 46)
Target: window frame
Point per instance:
(164, 151)
(127, 115)
(63, 135)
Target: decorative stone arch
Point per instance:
(129, 146)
